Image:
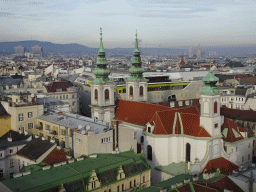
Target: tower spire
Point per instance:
(136, 70)
(101, 72)
(210, 83)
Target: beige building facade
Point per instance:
(114, 140)
(24, 112)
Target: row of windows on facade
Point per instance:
(223, 99)
(21, 116)
(107, 93)
(64, 97)
(132, 184)
(30, 126)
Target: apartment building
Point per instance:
(66, 92)
(23, 110)
(82, 135)
(5, 121)
(10, 144)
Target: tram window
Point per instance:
(120, 91)
(124, 90)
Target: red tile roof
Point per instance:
(56, 156)
(226, 167)
(141, 113)
(63, 85)
(230, 134)
(221, 184)
(165, 120)
(199, 187)
(245, 115)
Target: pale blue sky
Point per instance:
(164, 23)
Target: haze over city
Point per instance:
(165, 24)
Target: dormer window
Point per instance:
(149, 129)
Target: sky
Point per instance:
(160, 23)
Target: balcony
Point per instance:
(54, 133)
(39, 127)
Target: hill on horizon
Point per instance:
(8, 47)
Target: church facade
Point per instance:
(174, 140)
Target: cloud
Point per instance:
(34, 3)
(5, 14)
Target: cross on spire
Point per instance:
(136, 34)
(101, 33)
(210, 63)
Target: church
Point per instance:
(174, 140)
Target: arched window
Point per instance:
(215, 107)
(141, 91)
(188, 148)
(142, 139)
(149, 152)
(106, 94)
(96, 94)
(131, 91)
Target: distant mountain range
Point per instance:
(74, 48)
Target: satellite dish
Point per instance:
(80, 127)
(87, 127)
(29, 99)
(83, 132)
(32, 95)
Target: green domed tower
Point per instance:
(136, 84)
(102, 89)
(210, 117)
(210, 84)
(101, 72)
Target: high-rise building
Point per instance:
(198, 53)
(19, 50)
(37, 51)
(190, 52)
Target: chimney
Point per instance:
(75, 129)
(59, 113)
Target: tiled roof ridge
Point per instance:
(161, 123)
(200, 185)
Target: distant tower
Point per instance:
(182, 62)
(190, 53)
(19, 50)
(198, 53)
(136, 84)
(52, 54)
(102, 89)
(37, 51)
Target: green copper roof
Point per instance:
(72, 173)
(101, 72)
(136, 70)
(210, 81)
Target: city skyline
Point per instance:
(165, 24)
